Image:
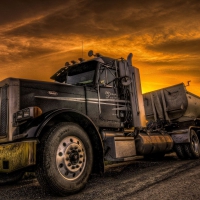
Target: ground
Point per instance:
(170, 178)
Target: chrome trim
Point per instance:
(90, 100)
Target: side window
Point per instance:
(107, 76)
(111, 76)
(81, 73)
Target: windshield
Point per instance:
(82, 78)
(82, 74)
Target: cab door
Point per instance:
(108, 98)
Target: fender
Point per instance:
(43, 123)
(183, 136)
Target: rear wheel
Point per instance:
(193, 148)
(180, 152)
(11, 178)
(64, 159)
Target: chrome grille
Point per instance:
(4, 111)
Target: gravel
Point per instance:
(170, 178)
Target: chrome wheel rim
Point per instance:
(195, 142)
(71, 158)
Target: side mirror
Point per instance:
(90, 53)
(100, 78)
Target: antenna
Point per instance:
(82, 49)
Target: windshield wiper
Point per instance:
(80, 84)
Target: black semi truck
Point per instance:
(65, 130)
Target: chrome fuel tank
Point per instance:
(153, 143)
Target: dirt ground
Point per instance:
(139, 179)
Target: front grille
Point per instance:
(3, 114)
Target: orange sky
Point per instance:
(38, 37)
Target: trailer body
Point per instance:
(176, 111)
(172, 103)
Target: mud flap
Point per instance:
(181, 136)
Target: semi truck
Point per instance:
(93, 112)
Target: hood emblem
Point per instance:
(53, 93)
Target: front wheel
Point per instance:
(65, 159)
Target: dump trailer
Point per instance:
(65, 130)
(176, 111)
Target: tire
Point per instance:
(193, 148)
(11, 178)
(180, 151)
(64, 159)
(187, 150)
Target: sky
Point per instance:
(38, 37)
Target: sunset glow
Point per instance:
(38, 37)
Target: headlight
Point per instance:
(27, 113)
(19, 115)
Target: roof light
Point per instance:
(73, 62)
(81, 60)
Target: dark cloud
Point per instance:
(106, 18)
(162, 35)
(190, 46)
(28, 53)
(12, 10)
(172, 62)
(181, 72)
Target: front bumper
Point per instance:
(18, 155)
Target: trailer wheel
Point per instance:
(64, 159)
(193, 148)
(11, 178)
(179, 149)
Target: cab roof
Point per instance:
(60, 75)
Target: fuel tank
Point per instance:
(171, 103)
(153, 143)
